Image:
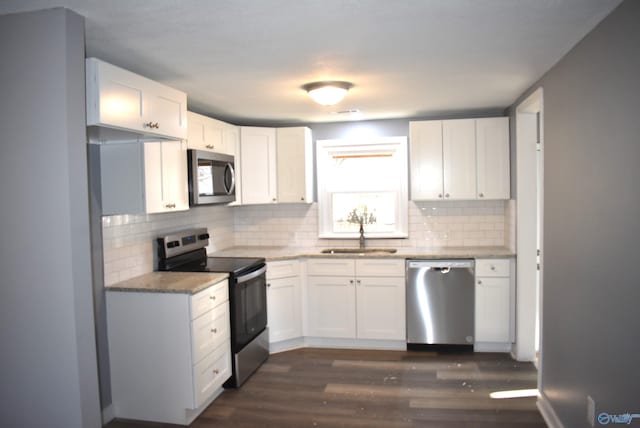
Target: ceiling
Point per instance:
(245, 60)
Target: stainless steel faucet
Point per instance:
(361, 235)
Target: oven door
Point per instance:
(248, 307)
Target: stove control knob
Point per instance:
(173, 244)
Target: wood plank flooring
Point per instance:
(354, 388)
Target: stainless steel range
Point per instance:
(185, 252)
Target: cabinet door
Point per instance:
(165, 171)
(214, 136)
(492, 138)
(459, 159)
(167, 109)
(195, 131)
(381, 308)
(284, 308)
(294, 165)
(492, 310)
(258, 168)
(114, 96)
(332, 306)
(425, 145)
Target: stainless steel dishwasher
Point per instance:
(440, 302)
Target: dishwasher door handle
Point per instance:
(442, 270)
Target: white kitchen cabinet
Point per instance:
(125, 101)
(492, 138)
(494, 301)
(258, 165)
(169, 352)
(148, 177)
(284, 302)
(232, 145)
(462, 159)
(294, 154)
(205, 133)
(356, 298)
(459, 159)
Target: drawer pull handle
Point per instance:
(214, 330)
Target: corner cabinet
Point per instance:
(462, 159)
(169, 352)
(125, 101)
(356, 298)
(495, 301)
(148, 177)
(276, 165)
(284, 300)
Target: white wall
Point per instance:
(48, 372)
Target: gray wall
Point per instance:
(48, 370)
(591, 320)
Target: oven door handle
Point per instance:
(250, 276)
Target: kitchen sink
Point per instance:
(359, 251)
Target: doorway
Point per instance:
(529, 227)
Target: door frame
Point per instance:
(530, 170)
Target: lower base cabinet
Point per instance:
(169, 352)
(494, 301)
(284, 301)
(356, 298)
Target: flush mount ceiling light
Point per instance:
(327, 93)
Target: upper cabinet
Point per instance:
(276, 165)
(148, 177)
(294, 157)
(492, 138)
(205, 133)
(134, 106)
(258, 165)
(462, 159)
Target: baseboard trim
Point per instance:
(492, 347)
(548, 414)
(108, 414)
(286, 345)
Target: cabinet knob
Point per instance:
(440, 195)
(446, 195)
(214, 330)
(351, 281)
(148, 125)
(493, 267)
(216, 371)
(268, 284)
(170, 205)
(212, 297)
(209, 146)
(302, 198)
(273, 200)
(481, 195)
(479, 282)
(358, 282)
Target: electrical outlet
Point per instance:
(591, 411)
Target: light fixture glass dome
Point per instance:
(327, 93)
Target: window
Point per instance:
(362, 182)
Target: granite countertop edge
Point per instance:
(169, 282)
(288, 253)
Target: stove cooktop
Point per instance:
(232, 265)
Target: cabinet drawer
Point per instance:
(210, 373)
(493, 267)
(380, 267)
(331, 267)
(284, 269)
(209, 298)
(209, 331)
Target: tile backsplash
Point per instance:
(129, 250)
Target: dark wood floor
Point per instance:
(347, 388)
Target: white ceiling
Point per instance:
(245, 60)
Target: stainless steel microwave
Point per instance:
(211, 178)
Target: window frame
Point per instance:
(326, 149)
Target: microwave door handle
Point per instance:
(229, 172)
